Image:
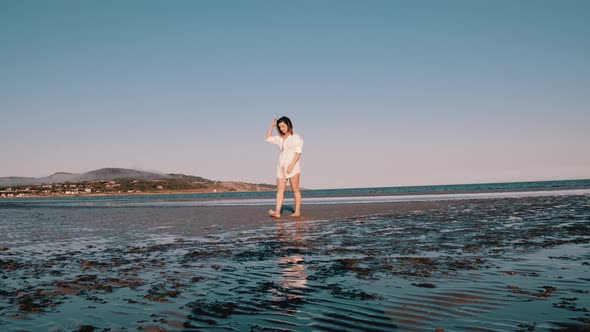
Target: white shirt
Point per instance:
(289, 147)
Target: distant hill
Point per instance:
(13, 181)
(119, 181)
(99, 174)
(116, 173)
(59, 177)
(132, 180)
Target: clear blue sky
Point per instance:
(384, 93)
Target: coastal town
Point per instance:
(129, 186)
(86, 188)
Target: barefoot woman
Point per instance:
(290, 144)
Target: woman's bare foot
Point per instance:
(272, 213)
(296, 214)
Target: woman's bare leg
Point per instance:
(294, 182)
(281, 183)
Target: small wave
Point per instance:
(367, 199)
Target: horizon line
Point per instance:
(326, 188)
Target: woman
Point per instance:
(290, 145)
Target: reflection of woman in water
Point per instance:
(292, 266)
(288, 168)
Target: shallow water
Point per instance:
(504, 264)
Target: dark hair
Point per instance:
(287, 121)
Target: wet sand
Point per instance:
(485, 265)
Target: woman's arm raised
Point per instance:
(269, 131)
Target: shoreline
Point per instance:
(212, 220)
(350, 192)
(143, 193)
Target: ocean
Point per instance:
(480, 257)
